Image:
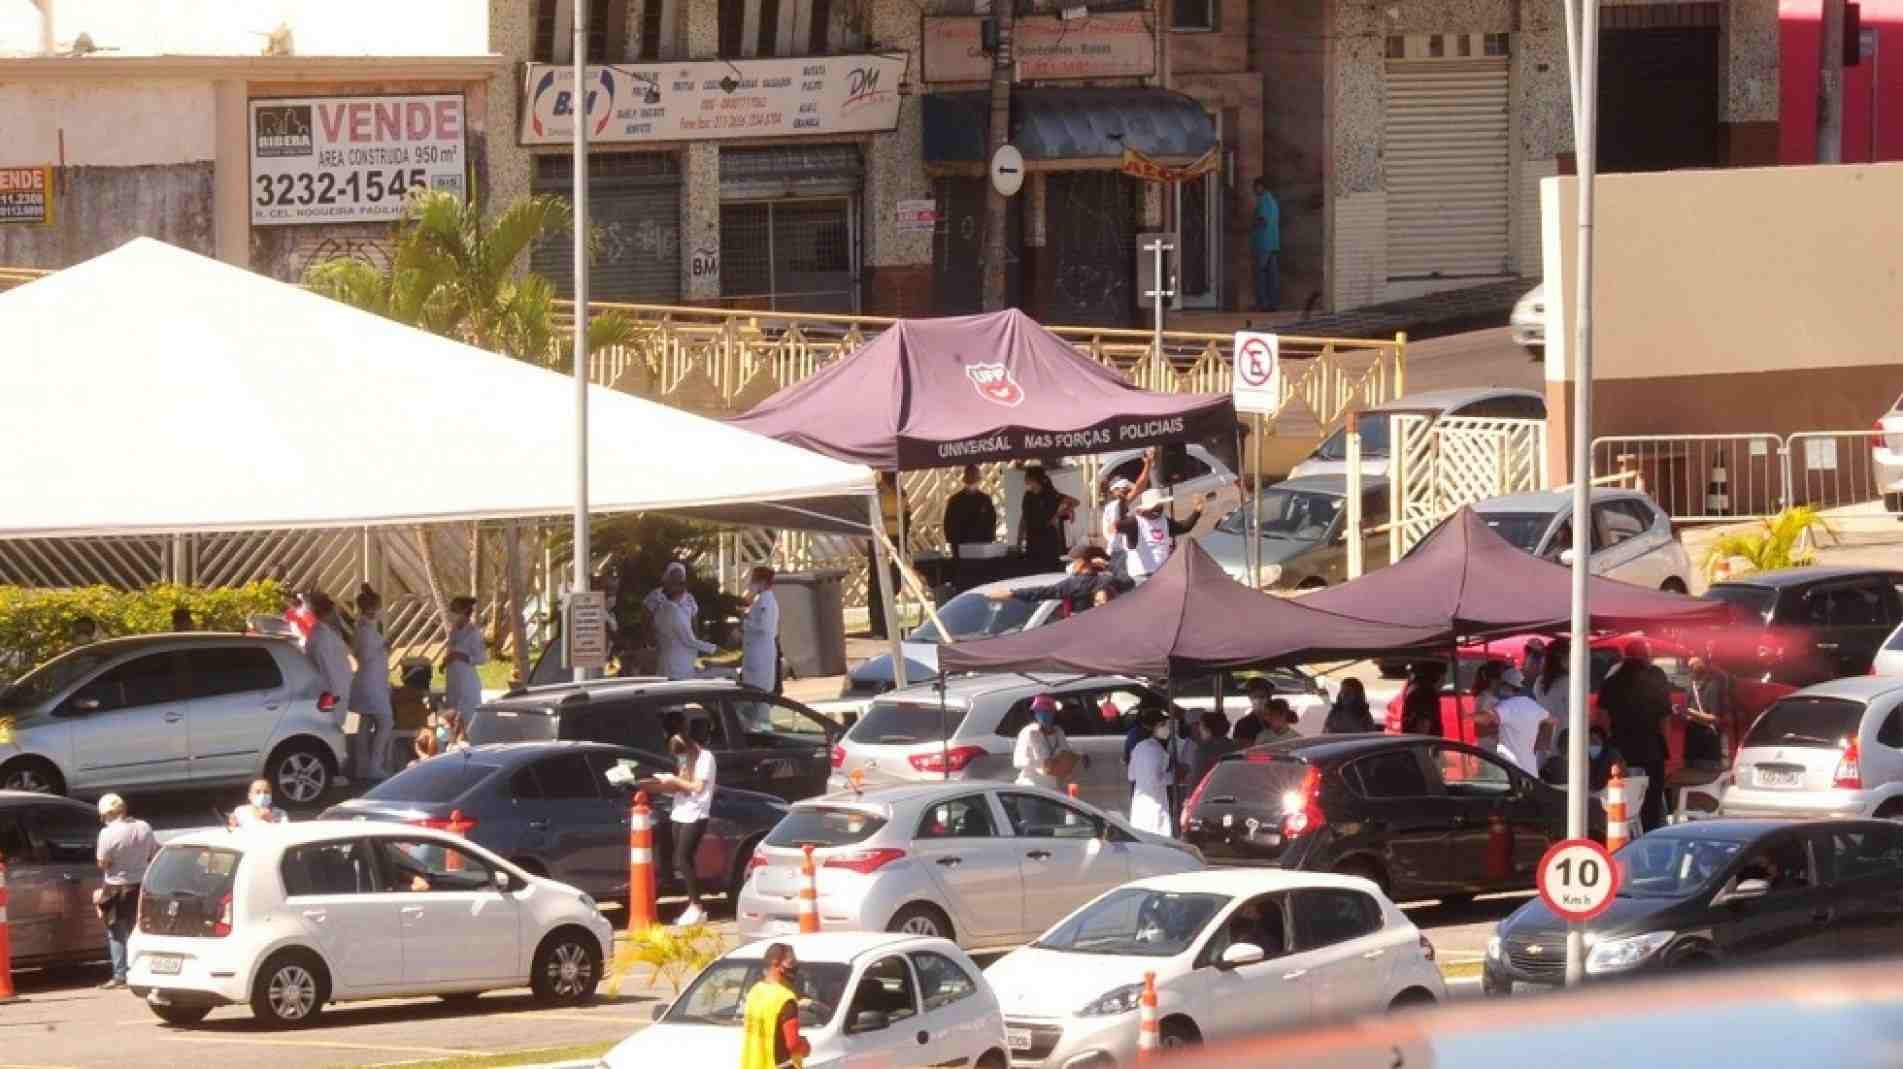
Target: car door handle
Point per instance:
(173, 718)
(1827, 645)
(542, 825)
(951, 862)
(1296, 975)
(1039, 855)
(272, 707)
(317, 915)
(412, 911)
(1372, 954)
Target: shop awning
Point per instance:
(1069, 126)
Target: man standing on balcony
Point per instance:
(1265, 243)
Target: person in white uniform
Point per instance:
(1150, 777)
(328, 650)
(760, 644)
(462, 687)
(1043, 756)
(370, 688)
(674, 641)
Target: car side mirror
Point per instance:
(1746, 891)
(503, 882)
(1566, 557)
(1240, 954)
(869, 1021)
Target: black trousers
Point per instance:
(686, 844)
(1652, 809)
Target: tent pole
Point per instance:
(579, 45)
(1169, 785)
(899, 552)
(1254, 555)
(1354, 519)
(882, 576)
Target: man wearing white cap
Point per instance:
(125, 849)
(1526, 728)
(1148, 534)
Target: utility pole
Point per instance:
(583, 570)
(1830, 83)
(1002, 73)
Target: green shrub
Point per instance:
(35, 622)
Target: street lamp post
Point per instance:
(579, 111)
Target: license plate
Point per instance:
(165, 964)
(1017, 1039)
(1779, 778)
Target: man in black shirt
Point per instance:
(970, 518)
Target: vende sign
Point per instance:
(1111, 45)
(26, 196)
(352, 159)
(714, 100)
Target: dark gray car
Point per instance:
(550, 808)
(51, 875)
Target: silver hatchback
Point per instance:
(172, 711)
(1832, 750)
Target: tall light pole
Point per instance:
(996, 247)
(583, 573)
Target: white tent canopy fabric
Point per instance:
(152, 390)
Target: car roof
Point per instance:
(510, 754)
(299, 833)
(183, 640)
(22, 797)
(1336, 484)
(1021, 582)
(1443, 400)
(900, 794)
(963, 688)
(542, 698)
(1246, 881)
(1860, 688)
(1553, 500)
(1729, 829)
(1336, 747)
(838, 946)
(1804, 576)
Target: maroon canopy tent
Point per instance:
(933, 393)
(1189, 617)
(1469, 581)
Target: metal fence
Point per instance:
(1700, 478)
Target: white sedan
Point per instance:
(865, 999)
(1234, 951)
(983, 864)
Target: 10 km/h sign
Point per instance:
(1577, 879)
(1257, 380)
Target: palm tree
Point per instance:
(1783, 541)
(457, 273)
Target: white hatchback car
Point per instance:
(1234, 951)
(289, 918)
(1632, 538)
(865, 999)
(1832, 750)
(982, 864)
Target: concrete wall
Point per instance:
(1714, 311)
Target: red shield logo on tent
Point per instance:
(995, 384)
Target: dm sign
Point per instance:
(352, 159)
(705, 101)
(26, 195)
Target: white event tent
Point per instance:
(155, 391)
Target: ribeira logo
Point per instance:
(555, 103)
(862, 88)
(995, 384)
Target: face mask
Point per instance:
(1594, 750)
(262, 801)
(442, 733)
(1161, 731)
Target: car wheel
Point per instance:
(1177, 1033)
(300, 773)
(567, 967)
(921, 919)
(1890, 810)
(1674, 585)
(290, 990)
(179, 1015)
(32, 774)
(1412, 998)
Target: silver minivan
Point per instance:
(169, 712)
(1832, 750)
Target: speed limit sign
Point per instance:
(1577, 879)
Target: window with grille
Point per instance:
(754, 28)
(607, 30)
(1193, 14)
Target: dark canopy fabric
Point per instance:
(932, 393)
(1467, 578)
(1049, 124)
(1189, 617)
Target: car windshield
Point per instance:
(1374, 428)
(719, 995)
(1672, 866)
(1523, 529)
(493, 723)
(823, 826)
(49, 679)
(1297, 515)
(1815, 723)
(1754, 602)
(972, 615)
(896, 723)
(443, 778)
(1135, 921)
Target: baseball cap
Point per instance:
(1119, 484)
(1513, 677)
(1152, 499)
(110, 803)
(1043, 703)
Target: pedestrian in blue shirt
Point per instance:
(1265, 242)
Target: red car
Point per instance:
(1749, 697)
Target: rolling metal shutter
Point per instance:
(1444, 149)
(634, 208)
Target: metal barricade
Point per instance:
(1830, 469)
(1701, 477)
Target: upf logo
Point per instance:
(995, 384)
(551, 103)
(283, 130)
(862, 88)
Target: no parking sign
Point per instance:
(1257, 380)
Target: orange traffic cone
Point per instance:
(809, 893)
(6, 939)
(641, 909)
(1615, 810)
(1149, 1041)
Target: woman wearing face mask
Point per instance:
(1150, 777)
(449, 731)
(257, 808)
(462, 687)
(1350, 715)
(370, 688)
(693, 789)
(423, 746)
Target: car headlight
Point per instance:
(1116, 1000)
(1619, 955)
(1493, 948)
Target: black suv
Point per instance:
(1807, 625)
(761, 742)
(1423, 817)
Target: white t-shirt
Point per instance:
(1154, 543)
(697, 805)
(1520, 720)
(1033, 749)
(245, 816)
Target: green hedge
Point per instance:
(35, 622)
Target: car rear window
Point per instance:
(889, 723)
(186, 889)
(494, 723)
(1751, 601)
(1813, 722)
(443, 778)
(825, 826)
(1253, 781)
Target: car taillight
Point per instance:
(1849, 774)
(326, 702)
(839, 757)
(222, 926)
(952, 760)
(863, 862)
(1194, 797)
(456, 824)
(1302, 807)
(757, 860)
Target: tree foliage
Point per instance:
(1783, 541)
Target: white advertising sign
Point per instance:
(352, 159)
(917, 216)
(1256, 382)
(716, 99)
(1104, 45)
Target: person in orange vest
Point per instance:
(770, 1031)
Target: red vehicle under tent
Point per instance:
(1749, 697)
